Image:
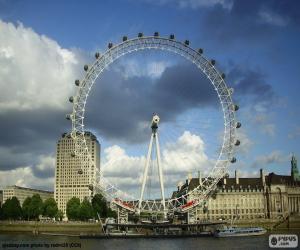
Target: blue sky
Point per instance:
(256, 43)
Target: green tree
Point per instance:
(50, 208)
(27, 213)
(59, 215)
(36, 206)
(12, 209)
(86, 210)
(111, 213)
(99, 206)
(73, 208)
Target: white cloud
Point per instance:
(248, 174)
(246, 142)
(39, 176)
(46, 163)
(25, 177)
(262, 118)
(134, 68)
(195, 4)
(271, 158)
(272, 18)
(35, 71)
(187, 154)
(268, 129)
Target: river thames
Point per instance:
(28, 241)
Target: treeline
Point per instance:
(89, 210)
(31, 209)
(34, 207)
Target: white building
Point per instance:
(68, 181)
(22, 193)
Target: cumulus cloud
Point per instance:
(246, 142)
(36, 69)
(28, 176)
(194, 4)
(271, 158)
(133, 68)
(273, 18)
(37, 77)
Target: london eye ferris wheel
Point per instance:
(98, 182)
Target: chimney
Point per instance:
(200, 177)
(179, 185)
(262, 177)
(236, 177)
(189, 177)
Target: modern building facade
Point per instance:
(267, 196)
(22, 193)
(69, 181)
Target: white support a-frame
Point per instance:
(154, 138)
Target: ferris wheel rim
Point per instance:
(177, 47)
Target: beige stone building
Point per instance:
(22, 193)
(1, 197)
(69, 182)
(267, 196)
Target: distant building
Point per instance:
(272, 196)
(1, 197)
(68, 181)
(22, 193)
(294, 169)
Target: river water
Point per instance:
(29, 241)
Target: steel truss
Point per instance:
(98, 182)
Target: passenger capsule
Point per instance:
(230, 90)
(172, 37)
(73, 154)
(91, 187)
(238, 125)
(156, 34)
(187, 42)
(110, 45)
(124, 38)
(68, 117)
(223, 76)
(237, 143)
(77, 82)
(140, 34)
(80, 171)
(233, 160)
(86, 67)
(71, 99)
(213, 62)
(235, 107)
(200, 51)
(97, 55)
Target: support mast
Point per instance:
(154, 138)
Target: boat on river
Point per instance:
(239, 231)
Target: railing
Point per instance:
(124, 204)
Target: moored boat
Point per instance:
(239, 231)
